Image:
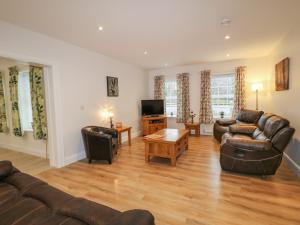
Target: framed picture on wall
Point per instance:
(282, 75)
(112, 86)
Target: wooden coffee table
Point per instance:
(166, 143)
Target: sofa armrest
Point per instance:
(252, 145)
(133, 217)
(242, 129)
(6, 169)
(225, 122)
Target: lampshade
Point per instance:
(257, 87)
(107, 114)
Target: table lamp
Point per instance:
(108, 114)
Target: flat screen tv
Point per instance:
(152, 107)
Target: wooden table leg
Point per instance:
(187, 142)
(120, 138)
(129, 136)
(173, 156)
(198, 131)
(147, 157)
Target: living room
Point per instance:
(130, 48)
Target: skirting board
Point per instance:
(292, 164)
(30, 151)
(81, 155)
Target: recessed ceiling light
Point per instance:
(145, 52)
(100, 28)
(227, 37)
(227, 54)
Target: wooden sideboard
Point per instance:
(151, 125)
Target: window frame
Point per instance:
(165, 98)
(227, 74)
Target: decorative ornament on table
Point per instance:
(222, 114)
(119, 125)
(192, 115)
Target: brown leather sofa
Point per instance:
(100, 143)
(256, 148)
(245, 117)
(25, 200)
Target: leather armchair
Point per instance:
(256, 149)
(100, 143)
(245, 117)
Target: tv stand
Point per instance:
(152, 124)
(149, 116)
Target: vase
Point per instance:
(192, 119)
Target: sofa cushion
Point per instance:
(226, 122)
(253, 145)
(50, 196)
(242, 129)
(256, 133)
(263, 119)
(242, 136)
(249, 116)
(87, 211)
(22, 181)
(129, 217)
(273, 125)
(262, 137)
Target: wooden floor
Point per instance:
(196, 192)
(24, 162)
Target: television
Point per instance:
(152, 107)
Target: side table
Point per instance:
(120, 131)
(193, 126)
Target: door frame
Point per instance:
(53, 105)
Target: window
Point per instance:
(171, 98)
(222, 95)
(25, 107)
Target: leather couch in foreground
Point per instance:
(256, 148)
(25, 200)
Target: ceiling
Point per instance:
(173, 32)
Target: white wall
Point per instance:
(82, 83)
(258, 70)
(286, 103)
(25, 144)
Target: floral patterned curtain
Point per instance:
(14, 98)
(39, 125)
(239, 94)
(159, 87)
(206, 116)
(183, 97)
(3, 118)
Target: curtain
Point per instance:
(206, 116)
(3, 118)
(14, 98)
(183, 97)
(159, 87)
(39, 125)
(239, 94)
